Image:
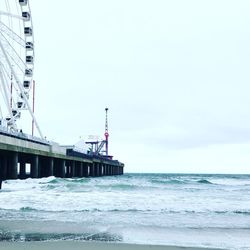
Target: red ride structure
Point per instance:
(106, 134)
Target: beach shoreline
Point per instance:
(80, 245)
(152, 209)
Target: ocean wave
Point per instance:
(168, 181)
(137, 210)
(27, 209)
(56, 180)
(204, 181)
(180, 181)
(242, 212)
(91, 210)
(28, 237)
(124, 186)
(83, 185)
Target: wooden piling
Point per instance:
(34, 167)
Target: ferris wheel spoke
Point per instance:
(14, 57)
(5, 71)
(1, 115)
(5, 90)
(11, 34)
(5, 80)
(17, 61)
(3, 13)
(19, 105)
(21, 89)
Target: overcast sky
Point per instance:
(174, 74)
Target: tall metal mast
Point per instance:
(106, 131)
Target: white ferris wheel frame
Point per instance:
(16, 62)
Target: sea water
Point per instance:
(165, 209)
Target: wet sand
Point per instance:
(78, 245)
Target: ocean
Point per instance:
(164, 209)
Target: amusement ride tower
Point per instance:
(106, 132)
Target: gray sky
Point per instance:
(175, 75)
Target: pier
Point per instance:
(23, 157)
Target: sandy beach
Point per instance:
(77, 245)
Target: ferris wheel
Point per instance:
(16, 63)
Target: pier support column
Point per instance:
(102, 170)
(73, 169)
(1, 171)
(59, 168)
(22, 171)
(4, 168)
(56, 167)
(46, 166)
(50, 167)
(99, 169)
(92, 170)
(96, 169)
(80, 169)
(12, 171)
(85, 170)
(34, 172)
(1, 166)
(62, 168)
(108, 170)
(67, 171)
(77, 169)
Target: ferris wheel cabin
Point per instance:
(28, 31)
(29, 46)
(26, 84)
(23, 2)
(20, 104)
(29, 59)
(28, 72)
(26, 16)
